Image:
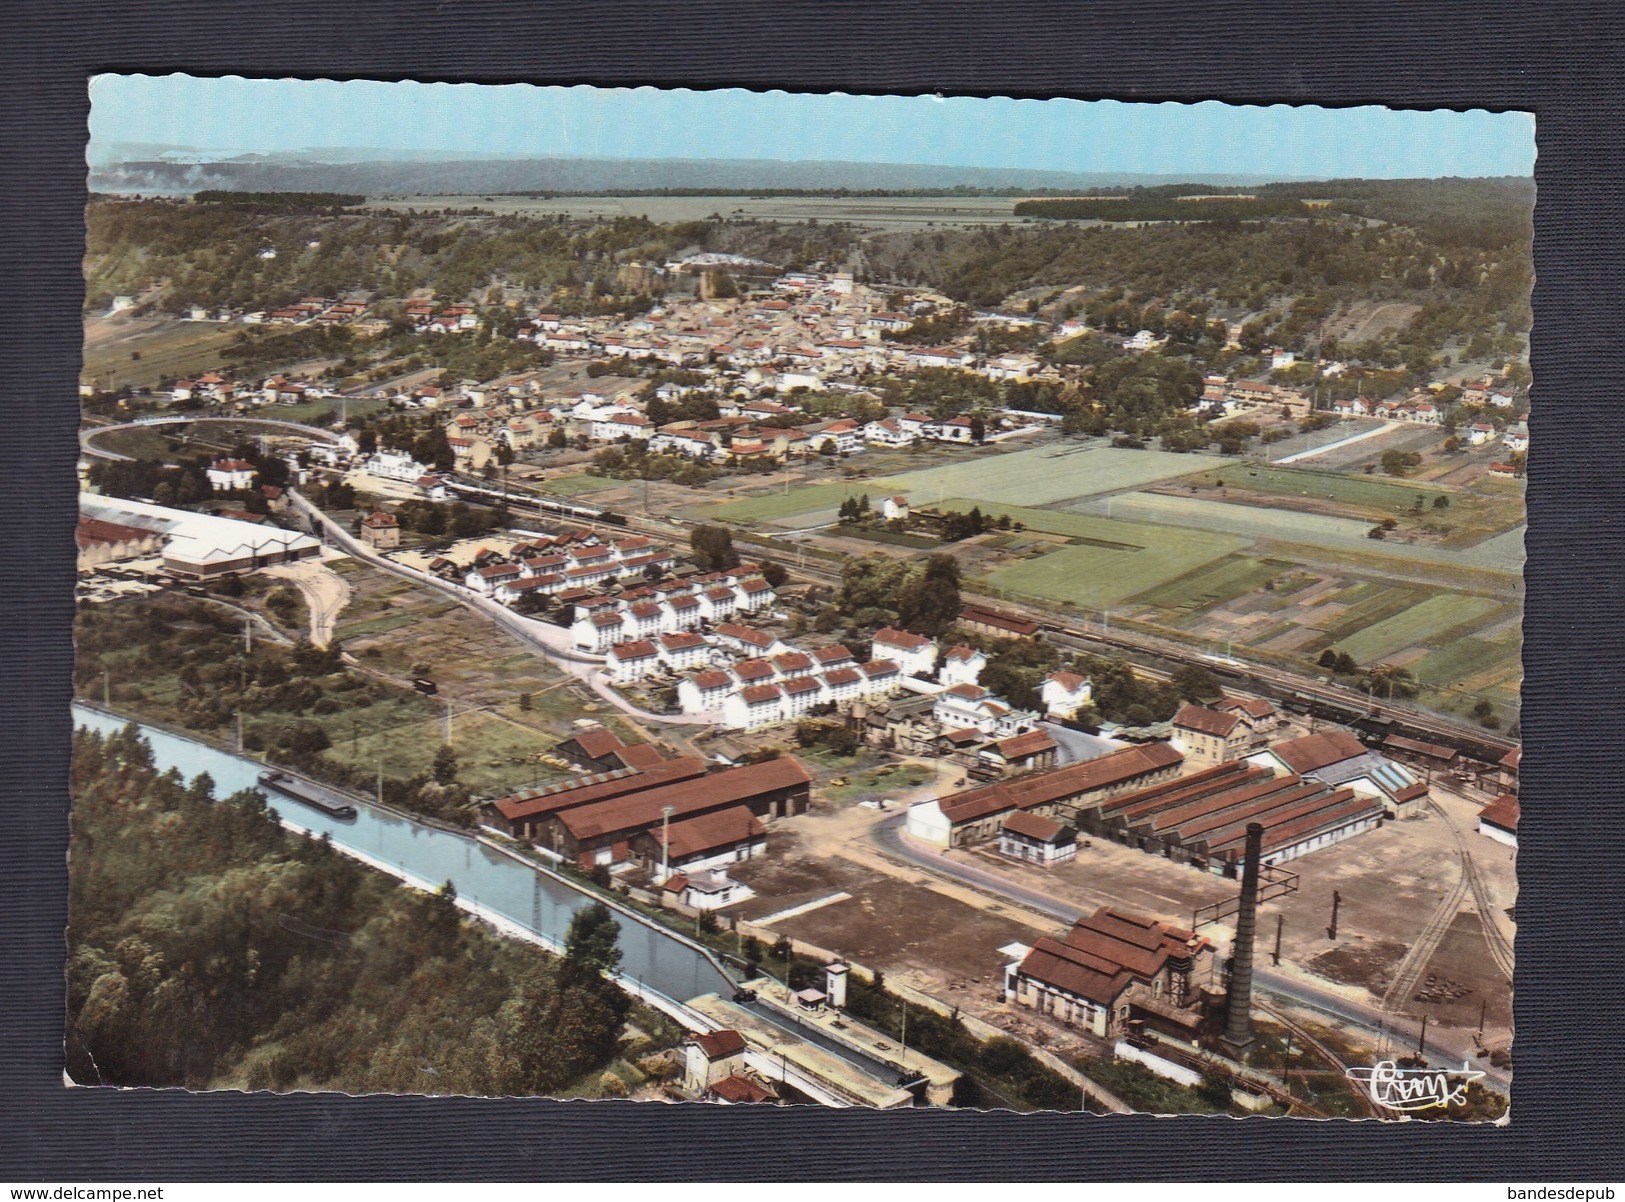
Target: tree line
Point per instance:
(210, 948)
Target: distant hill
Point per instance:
(184, 170)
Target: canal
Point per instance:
(429, 856)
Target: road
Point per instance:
(87, 437)
(1389, 1034)
(552, 642)
(1074, 746)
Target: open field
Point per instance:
(1108, 560)
(1035, 476)
(1214, 583)
(880, 212)
(1468, 515)
(493, 754)
(140, 359)
(1378, 494)
(579, 485)
(1419, 624)
(1311, 529)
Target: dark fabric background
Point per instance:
(1561, 60)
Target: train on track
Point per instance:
(533, 503)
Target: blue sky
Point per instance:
(266, 115)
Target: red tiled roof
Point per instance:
(740, 1091)
(638, 649)
(1073, 780)
(711, 832)
(1318, 750)
(638, 755)
(595, 743)
(1070, 681)
(759, 694)
(1206, 721)
(94, 531)
(1502, 812)
(744, 634)
(681, 641)
(1034, 826)
(1033, 742)
(717, 790)
(904, 639)
(718, 1044)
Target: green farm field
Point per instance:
(1035, 476)
(1491, 508)
(1108, 560)
(1214, 583)
(1375, 493)
(1418, 624)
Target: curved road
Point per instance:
(552, 642)
(88, 435)
(1385, 1030)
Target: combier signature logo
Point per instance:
(1414, 1088)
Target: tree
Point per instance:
(713, 547)
(445, 764)
(1196, 683)
(930, 604)
(1441, 502)
(591, 945)
(774, 573)
(1386, 681)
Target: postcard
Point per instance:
(768, 599)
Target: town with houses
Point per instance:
(807, 651)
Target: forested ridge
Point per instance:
(210, 948)
(1417, 240)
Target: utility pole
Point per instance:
(380, 780)
(1483, 1009)
(903, 1055)
(1337, 901)
(107, 689)
(1422, 1039)
(665, 850)
(1275, 956)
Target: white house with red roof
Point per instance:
(632, 661)
(962, 665)
(889, 432)
(969, 706)
(230, 475)
(914, 654)
(1065, 693)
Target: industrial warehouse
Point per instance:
(677, 813)
(1189, 800)
(1202, 819)
(197, 546)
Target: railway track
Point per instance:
(1409, 973)
(1500, 947)
(1302, 1033)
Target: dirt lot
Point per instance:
(887, 923)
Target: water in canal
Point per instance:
(510, 888)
